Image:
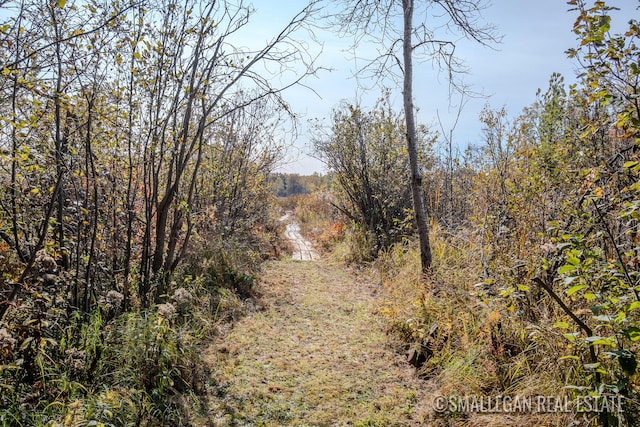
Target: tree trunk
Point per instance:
(61, 146)
(422, 223)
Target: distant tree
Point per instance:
(295, 185)
(291, 184)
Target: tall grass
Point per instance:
(114, 368)
(462, 335)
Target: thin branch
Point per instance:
(73, 36)
(607, 231)
(587, 330)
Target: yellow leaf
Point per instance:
(61, 3)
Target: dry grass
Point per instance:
(316, 355)
(324, 349)
(468, 345)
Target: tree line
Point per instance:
(122, 125)
(136, 144)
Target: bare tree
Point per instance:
(192, 77)
(390, 23)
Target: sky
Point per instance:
(535, 36)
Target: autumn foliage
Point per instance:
(136, 142)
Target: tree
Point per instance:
(365, 150)
(109, 111)
(376, 19)
(188, 80)
(570, 180)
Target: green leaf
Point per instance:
(504, 293)
(569, 358)
(590, 296)
(634, 305)
(633, 333)
(573, 260)
(572, 336)
(596, 340)
(572, 290)
(561, 325)
(566, 268)
(630, 164)
(605, 24)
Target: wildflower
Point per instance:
(45, 262)
(75, 360)
(182, 297)
(114, 298)
(6, 340)
(166, 310)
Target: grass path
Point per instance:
(316, 354)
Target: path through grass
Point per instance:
(316, 355)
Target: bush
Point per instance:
(366, 154)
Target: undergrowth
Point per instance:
(461, 334)
(110, 367)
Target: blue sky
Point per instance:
(535, 36)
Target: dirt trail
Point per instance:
(316, 354)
